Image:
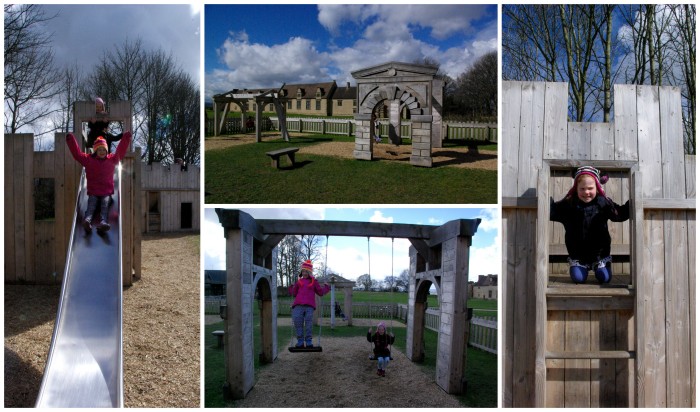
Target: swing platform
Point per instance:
(294, 349)
(372, 357)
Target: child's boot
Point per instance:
(300, 343)
(379, 372)
(383, 373)
(103, 226)
(309, 344)
(87, 224)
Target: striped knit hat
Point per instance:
(599, 178)
(100, 142)
(307, 265)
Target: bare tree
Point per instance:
(477, 88)
(288, 260)
(683, 44)
(365, 281)
(71, 79)
(30, 77)
(402, 281)
(530, 43)
(164, 98)
(182, 119)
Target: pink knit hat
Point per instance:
(100, 142)
(381, 325)
(599, 178)
(307, 265)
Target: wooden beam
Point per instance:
(564, 302)
(541, 277)
(589, 290)
(608, 354)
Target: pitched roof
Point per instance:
(487, 280)
(215, 277)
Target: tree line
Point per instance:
(473, 95)
(39, 95)
(593, 47)
(293, 250)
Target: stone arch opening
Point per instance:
(409, 89)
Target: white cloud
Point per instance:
(484, 261)
(378, 217)
(388, 33)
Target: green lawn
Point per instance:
(482, 307)
(242, 175)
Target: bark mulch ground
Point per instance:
(161, 329)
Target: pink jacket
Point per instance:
(99, 172)
(304, 291)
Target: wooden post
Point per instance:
(541, 278)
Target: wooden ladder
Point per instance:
(581, 297)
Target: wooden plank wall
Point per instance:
(646, 129)
(27, 239)
(175, 187)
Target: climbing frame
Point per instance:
(631, 343)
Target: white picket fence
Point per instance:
(346, 127)
(483, 331)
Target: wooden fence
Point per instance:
(346, 127)
(483, 331)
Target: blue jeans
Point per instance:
(303, 317)
(602, 270)
(383, 362)
(92, 206)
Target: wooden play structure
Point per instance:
(35, 246)
(223, 102)
(171, 196)
(400, 85)
(630, 343)
(439, 257)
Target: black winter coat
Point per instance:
(381, 343)
(586, 224)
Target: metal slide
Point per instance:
(84, 366)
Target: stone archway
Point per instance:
(412, 86)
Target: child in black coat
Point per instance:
(382, 342)
(585, 212)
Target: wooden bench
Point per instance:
(219, 338)
(276, 154)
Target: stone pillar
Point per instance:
(395, 121)
(363, 137)
(421, 130)
(436, 111)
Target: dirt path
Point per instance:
(342, 376)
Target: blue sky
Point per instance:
(252, 46)
(347, 256)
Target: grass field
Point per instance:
(242, 175)
(482, 307)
